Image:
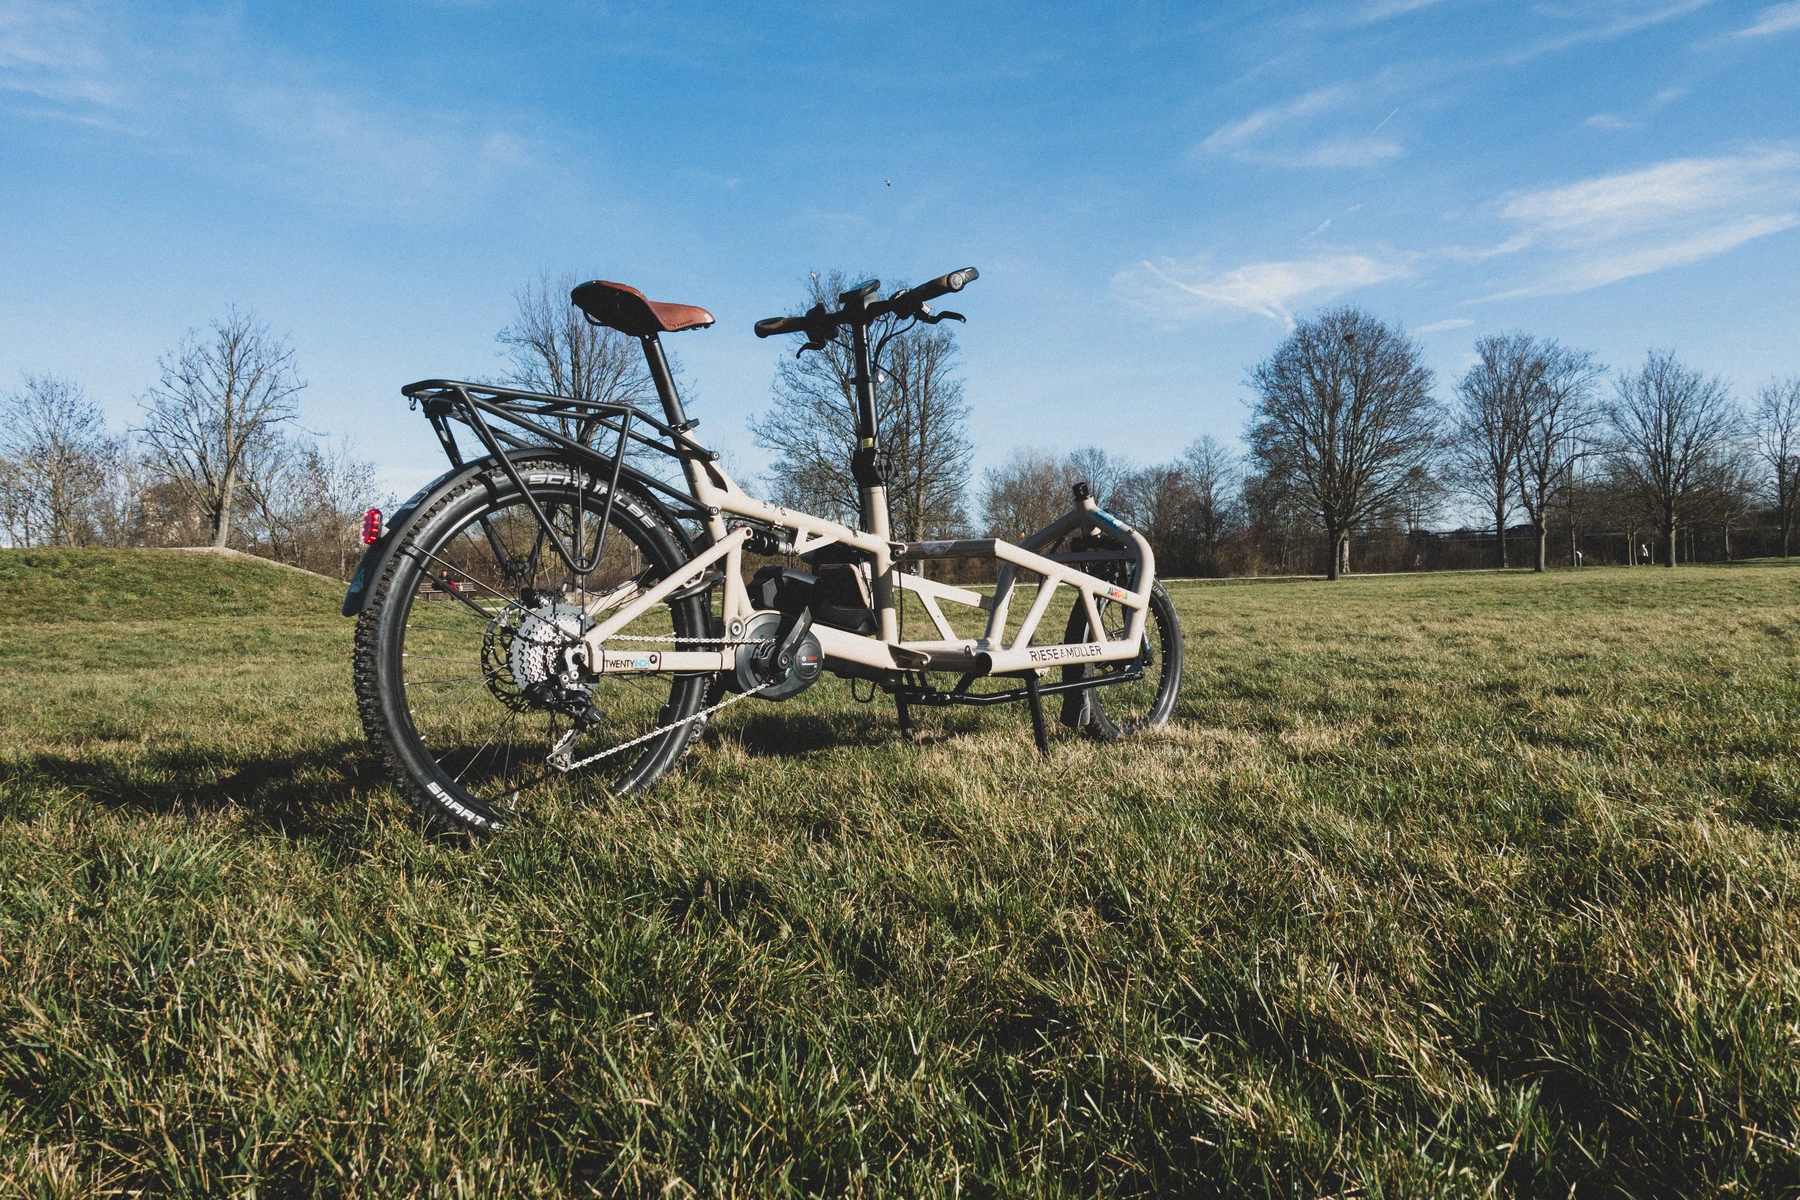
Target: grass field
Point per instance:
(1443, 885)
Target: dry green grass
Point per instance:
(1453, 885)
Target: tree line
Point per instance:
(1348, 444)
(1351, 455)
(216, 457)
(219, 456)
(1348, 439)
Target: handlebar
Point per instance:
(770, 326)
(818, 324)
(943, 285)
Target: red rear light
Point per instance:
(371, 527)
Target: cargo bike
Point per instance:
(553, 612)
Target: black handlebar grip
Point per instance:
(943, 285)
(770, 326)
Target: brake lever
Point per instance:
(934, 318)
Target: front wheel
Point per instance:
(463, 676)
(1148, 685)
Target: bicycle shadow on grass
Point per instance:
(298, 794)
(794, 734)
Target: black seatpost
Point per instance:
(665, 382)
(671, 400)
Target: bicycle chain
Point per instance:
(560, 750)
(562, 746)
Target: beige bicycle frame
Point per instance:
(990, 654)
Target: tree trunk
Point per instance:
(222, 513)
(1344, 550)
(1543, 546)
(1674, 536)
(1334, 540)
(1500, 534)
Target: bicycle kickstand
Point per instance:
(1037, 713)
(906, 726)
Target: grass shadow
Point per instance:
(783, 735)
(296, 794)
(792, 733)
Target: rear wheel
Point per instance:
(1115, 710)
(462, 677)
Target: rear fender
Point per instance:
(375, 558)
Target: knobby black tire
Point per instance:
(381, 690)
(1114, 711)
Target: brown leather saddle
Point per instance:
(627, 310)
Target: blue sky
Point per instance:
(1152, 193)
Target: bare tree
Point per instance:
(1484, 444)
(1026, 494)
(1102, 471)
(1278, 520)
(1419, 499)
(553, 348)
(1775, 424)
(924, 438)
(305, 502)
(920, 415)
(1215, 480)
(221, 396)
(1670, 428)
(15, 504)
(1729, 491)
(1556, 411)
(1344, 407)
(268, 501)
(1159, 501)
(60, 464)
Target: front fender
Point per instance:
(375, 558)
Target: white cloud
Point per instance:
(1365, 152)
(1269, 289)
(1440, 326)
(1612, 227)
(1382, 10)
(1610, 205)
(1611, 19)
(1512, 245)
(1608, 121)
(1777, 18)
(1248, 139)
(52, 52)
(1264, 119)
(1585, 275)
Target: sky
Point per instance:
(1153, 193)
